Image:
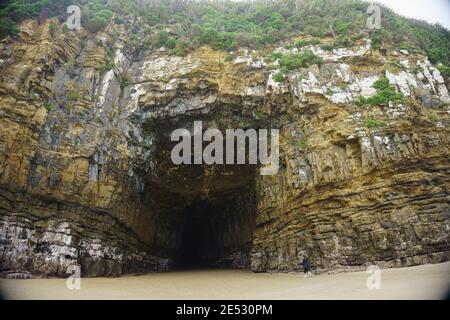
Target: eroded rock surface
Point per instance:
(86, 176)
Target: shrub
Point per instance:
(171, 43)
(7, 26)
(74, 95)
(385, 96)
(118, 20)
(278, 77)
(360, 101)
(433, 117)
(375, 39)
(436, 55)
(48, 105)
(276, 21)
(181, 48)
(303, 59)
(344, 41)
(230, 57)
(342, 27)
(301, 43)
(52, 28)
(373, 124)
(134, 41)
(443, 105)
(151, 18)
(381, 84)
(329, 92)
(444, 70)
(98, 20)
(415, 70)
(160, 39)
(124, 82)
(314, 42)
(327, 47)
(260, 115)
(108, 64)
(209, 36)
(385, 93)
(240, 40)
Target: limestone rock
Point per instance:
(86, 177)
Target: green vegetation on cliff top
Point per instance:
(227, 25)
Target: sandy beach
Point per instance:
(421, 282)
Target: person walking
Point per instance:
(306, 267)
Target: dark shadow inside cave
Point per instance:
(205, 215)
(197, 241)
(216, 232)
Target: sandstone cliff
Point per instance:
(86, 176)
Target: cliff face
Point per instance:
(86, 176)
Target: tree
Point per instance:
(276, 21)
(160, 39)
(7, 27)
(209, 36)
(98, 20)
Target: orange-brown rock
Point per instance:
(86, 176)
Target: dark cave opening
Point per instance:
(217, 232)
(197, 247)
(206, 214)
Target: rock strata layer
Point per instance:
(86, 177)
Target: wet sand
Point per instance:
(421, 282)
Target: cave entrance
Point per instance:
(204, 216)
(217, 232)
(198, 241)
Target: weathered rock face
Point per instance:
(86, 176)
